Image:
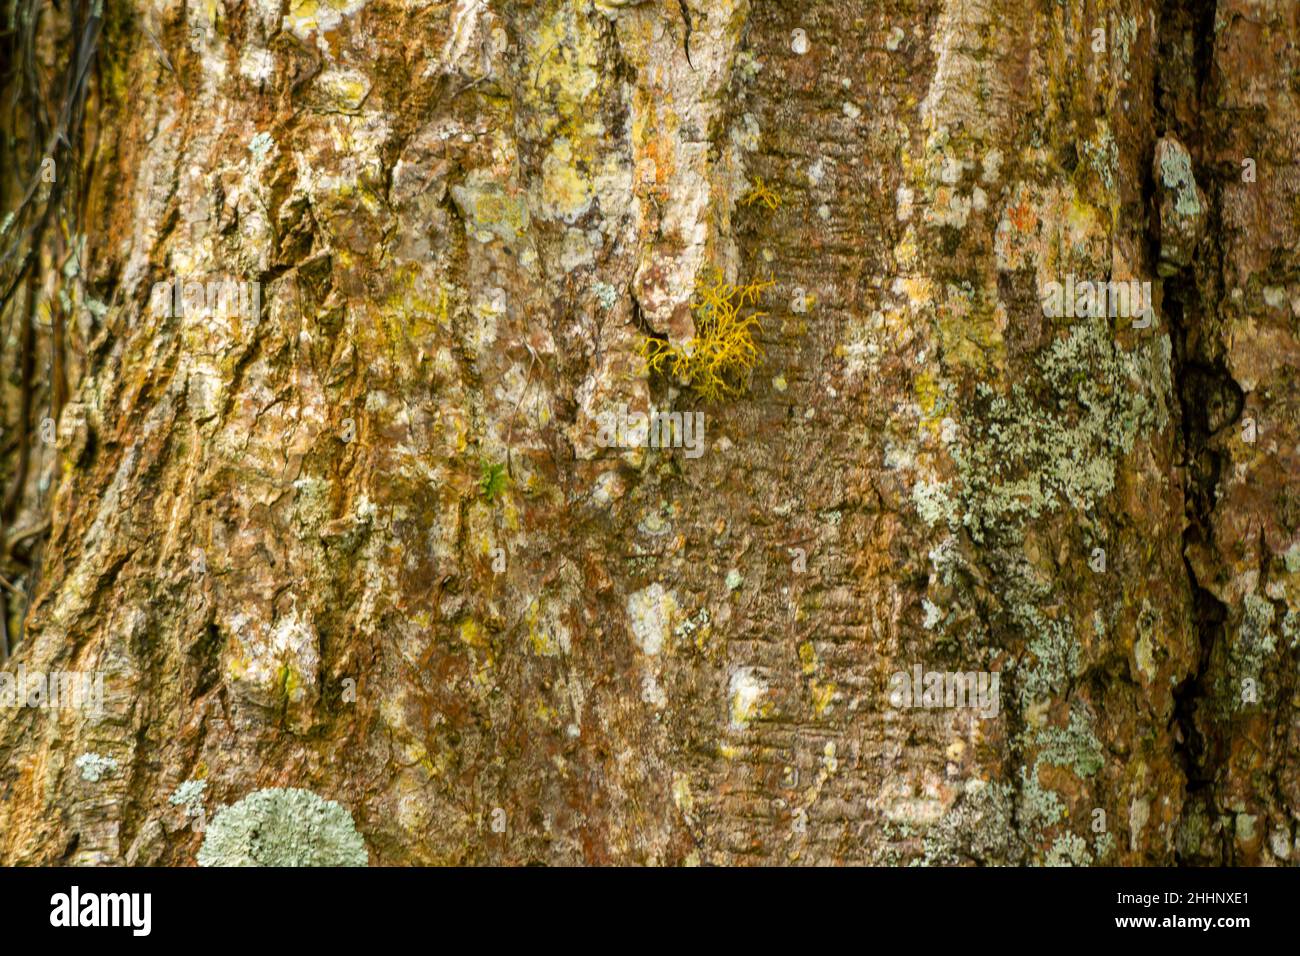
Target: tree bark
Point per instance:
(360, 534)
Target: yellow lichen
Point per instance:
(808, 657)
(927, 393)
(760, 192)
(718, 360)
(823, 695)
(472, 634)
(541, 637)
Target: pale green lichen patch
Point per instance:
(1176, 173)
(1245, 827)
(1103, 153)
(1075, 746)
(190, 796)
(1255, 639)
(1070, 849)
(489, 210)
(1024, 459)
(94, 767)
(1052, 642)
(283, 827)
(1053, 443)
(1125, 36)
(1193, 830)
(260, 146)
(606, 294)
(1038, 808)
(978, 828)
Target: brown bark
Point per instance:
(365, 540)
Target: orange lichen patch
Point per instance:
(653, 133)
(1022, 216)
(718, 360)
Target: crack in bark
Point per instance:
(1208, 399)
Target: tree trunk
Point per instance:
(358, 285)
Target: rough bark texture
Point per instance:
(366, 543)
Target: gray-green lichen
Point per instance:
(606, 293)
(489, 209)
(1255, 639)
(1054, 647)
(1070, 849)
(1024, 459)
(1291, 628)
(1194, 829)
(190, 796)
(978, 828)
(1038, 808)
(94, 767)
(1024, 456)
(283, 827)
(1292, 559)
(1182, 206)
(1125, 36)
(1103, 154)
(1076, 746)
(1245, 826)
(260, 146)
(1176, 173)
(1050, 634)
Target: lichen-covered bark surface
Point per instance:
(362, 546)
